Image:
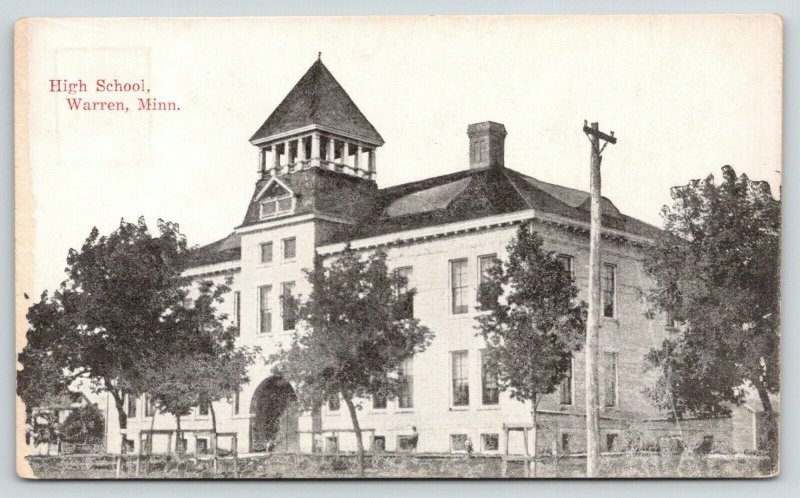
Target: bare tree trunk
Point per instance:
(122, 417)
(535, 403)
(213, 430)
(766, 404)
(178, 438)
(357, 430)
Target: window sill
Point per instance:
(459, 408)
(489, 407)
(404, 410)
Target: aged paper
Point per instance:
(277, 142)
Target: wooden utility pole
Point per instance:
(595, 304)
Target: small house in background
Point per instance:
(42, 433)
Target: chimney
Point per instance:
(486, 144)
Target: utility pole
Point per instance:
(595, 305)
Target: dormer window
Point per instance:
(275, 199)
(276, 206)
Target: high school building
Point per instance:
(316, 191)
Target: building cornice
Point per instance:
(290, 220)
(212, 269)
(489, 222)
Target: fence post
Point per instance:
(527, 471)
(119, 465)
(235, 448)
(555, 458)
(214, 449)
(504, 463)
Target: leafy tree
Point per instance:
(83, 425)
(42, 376)
(716, 267)
(111, 313)
(532, 322)
(353, 343)
(201, 364)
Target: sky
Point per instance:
(684, 95)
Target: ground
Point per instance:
(288, 466)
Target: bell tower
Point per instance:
(317, 125)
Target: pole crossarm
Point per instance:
(599, 134)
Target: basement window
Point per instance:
(490, 442)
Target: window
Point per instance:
(669, 318)
(610, 384)
(236, 403)
(237, 312)
(378, 443)
(611, 440)
(490, 391)
(407, 443)
(490, 442)
(287, 306)
(460, 378)
(458, 284)
(203, 409)
(132, 401)
(406, 299)
(485, 263)
(202, 446)
(265, 310)
(378, 401)
(405, 398)
(706, 445)
(565, 440)
(266, 252)
(149, 406)
(332, 444)
(276, 206)
(333, 403)
(609, 283)
(289, 248)
(566, 386)
(458, 442)
(566, 262)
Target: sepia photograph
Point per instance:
(398, 247)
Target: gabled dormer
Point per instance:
(274, 199)
(317, 125)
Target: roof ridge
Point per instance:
(457, 175)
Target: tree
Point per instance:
(201, 364)
(531, 321)
(716, 268)
(111, 313)
(354, 339)
(42, 376)
(84, 425)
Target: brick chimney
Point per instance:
(486, 144)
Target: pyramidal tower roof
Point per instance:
(318, 100)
